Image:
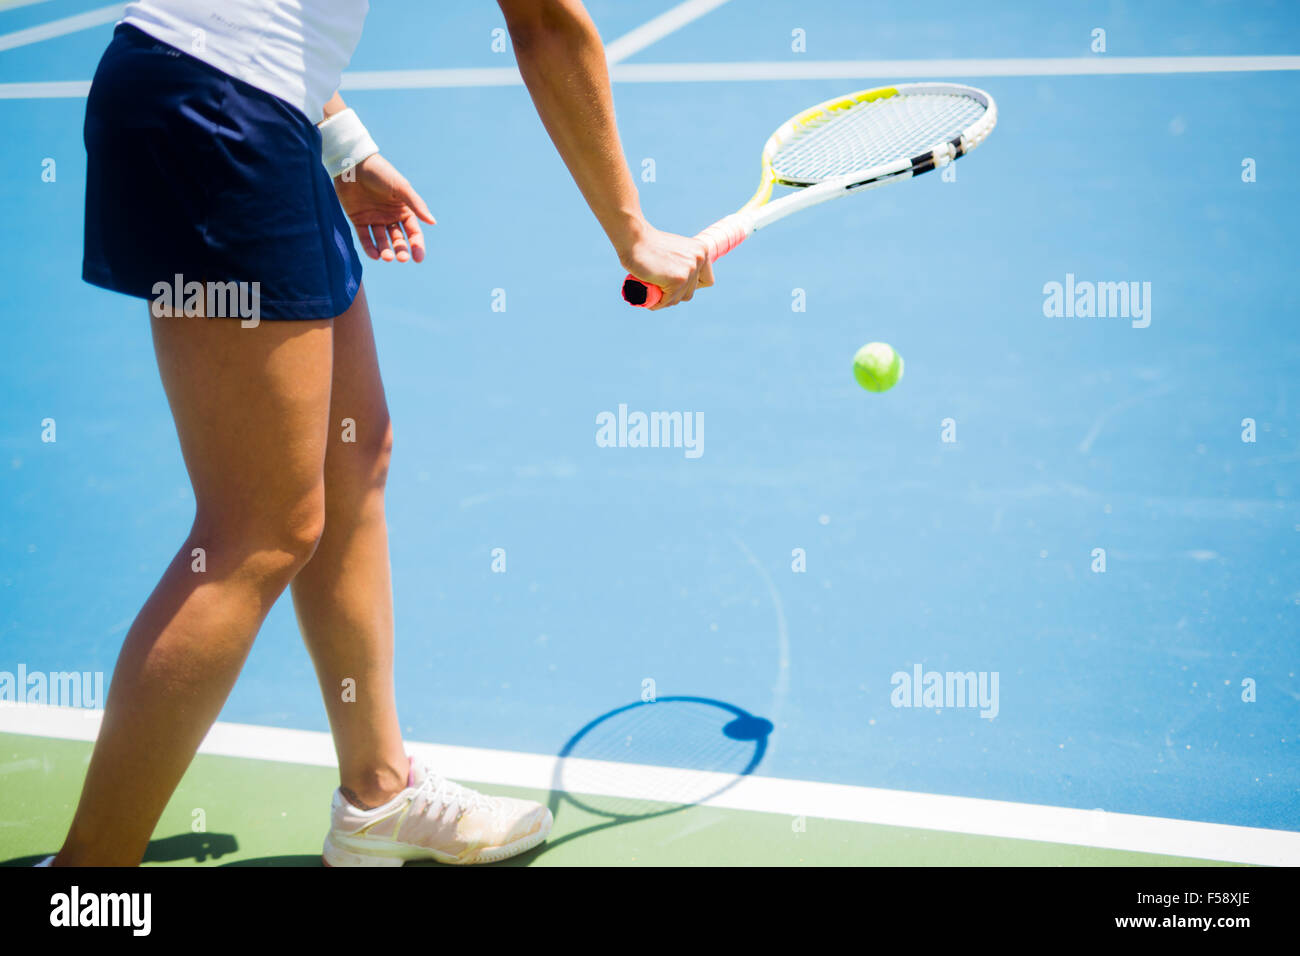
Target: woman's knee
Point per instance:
(268, 541)
(300, 531)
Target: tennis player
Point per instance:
(224, 167)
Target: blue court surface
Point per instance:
(1101, 512)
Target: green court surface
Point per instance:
(241, 812)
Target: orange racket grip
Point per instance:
(719, 239)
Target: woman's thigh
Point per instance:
(251, 407)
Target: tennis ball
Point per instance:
(877, 367)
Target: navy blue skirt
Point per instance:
(195, 176)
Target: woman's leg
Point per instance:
(251, 410)
(344, 596)
(344, 602)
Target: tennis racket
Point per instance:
(849, 144)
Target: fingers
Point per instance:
(706, 274)
(678, 293)
(380, 233)
(416, 209)
(398, 239)
(700, 275)
(675, 293)
(672, 295)
(416, 203)
(412, 226)
(688, 289)
(702, 268)
(368, 244)
(401, 241)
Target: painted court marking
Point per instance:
(944, 69)
(6, 5)
(837, 70)
(794, 798)
(652, 31)
(765, 71)
(62, 27)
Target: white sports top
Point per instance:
(294, 49)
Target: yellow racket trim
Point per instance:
(813, 116)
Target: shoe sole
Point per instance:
(345, 851)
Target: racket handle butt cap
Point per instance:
(641, 294)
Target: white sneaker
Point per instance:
(433, 819)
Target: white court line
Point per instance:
(936, 69)
(926, 811)
(59, 89)
(6, 5)
(430, 79)
(749, 72)
(839, 70)
(58, 28)
(655, 30)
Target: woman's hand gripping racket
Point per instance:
(845, 145)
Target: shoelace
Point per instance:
(442, 790)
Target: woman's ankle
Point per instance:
(374, 786)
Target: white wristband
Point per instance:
(344, 142)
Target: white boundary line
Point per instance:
(943, 69)
(58, 28)
(758, 72)
(926, 811)
(7, 5)
(652, 31)
(55, 90)
(430, 79)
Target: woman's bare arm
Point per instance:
(562, 61)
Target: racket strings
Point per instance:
(873, 134)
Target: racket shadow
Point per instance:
(652, 759)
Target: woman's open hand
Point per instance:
(385, 209)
